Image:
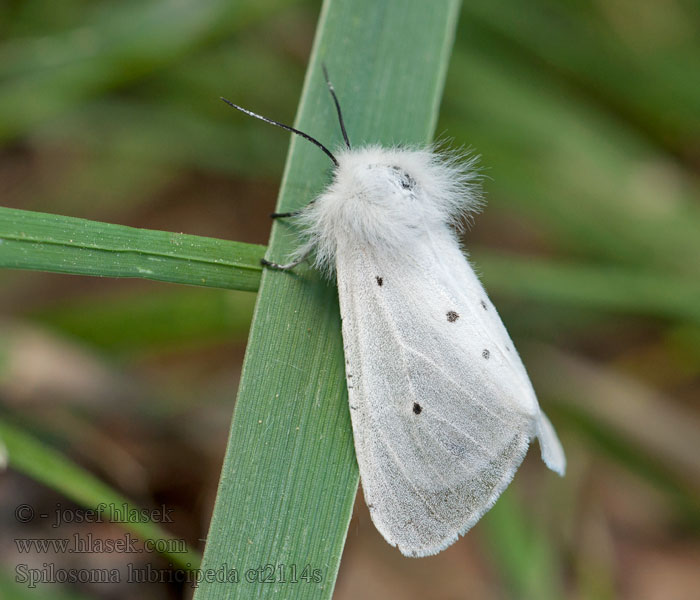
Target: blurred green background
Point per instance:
(587, 118)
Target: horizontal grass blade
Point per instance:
(44, 242)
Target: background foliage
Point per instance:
(587, 117)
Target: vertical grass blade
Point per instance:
(289, 477)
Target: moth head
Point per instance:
(427, 185)
(389, 182)
(380, 177)
(386, 197)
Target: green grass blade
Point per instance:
(43, 242)
(38, 461)
(289, 478)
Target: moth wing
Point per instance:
(441, 406)
(550, 446)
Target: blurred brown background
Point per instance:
(587, 117)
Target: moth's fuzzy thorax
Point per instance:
(386, 198)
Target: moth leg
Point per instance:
(272, 265)
(293, 213)
(284, 215)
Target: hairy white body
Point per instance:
(442, 408)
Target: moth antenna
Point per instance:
(331, 89)
(306, 136)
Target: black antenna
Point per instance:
(331, 89)
(306, 136)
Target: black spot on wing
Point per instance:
(417, 408)
(483, 305)
(452, 316)
(486, 354)
(380, 281)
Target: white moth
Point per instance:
(442, 408)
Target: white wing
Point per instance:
(442, 408)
